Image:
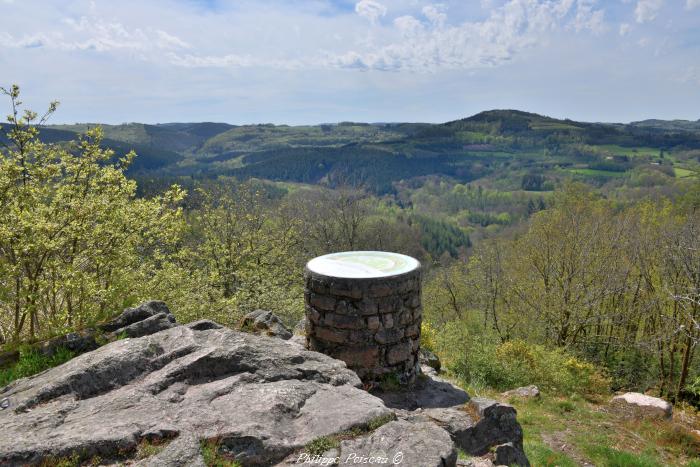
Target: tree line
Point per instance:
(616, 283)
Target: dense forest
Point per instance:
(555, 252)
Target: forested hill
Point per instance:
(514, 144)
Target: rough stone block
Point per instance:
(373, 323)
(406, 317)
(322, 302)
(313, 315)
(388, 336)
(343, 307)
(368, 306)
(381, 289)
(331, 335)
(389, 305)
(388, 320)
(413, 331)
(361, 336)
(346, 290)
(343, 321)
(317, 286)
(363, 357)
(398, 353)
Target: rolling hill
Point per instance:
(508, 144)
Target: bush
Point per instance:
(427, 336)
(480, 360)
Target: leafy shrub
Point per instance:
(427, 336)
(480, 360)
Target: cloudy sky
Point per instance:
(313, 61)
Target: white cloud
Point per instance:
(692, 4)
(234, 61)
(435, 14)
(648, 10)
(624, 29)
(168, 41)
(295, 62)
(431, 46)
(423, 41)
(588, 17)
(370, 9)
(96, 35)
(691, 75)
(408, 25)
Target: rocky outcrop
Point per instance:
(525, 392)
(478, 426)
(260, 400)
(483, 426)
(428, 358)
(259, 397)
(266, 323)
(637, 405)
(403, 442)
(147, 318)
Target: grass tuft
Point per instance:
(212, 456)
(31, 362)
(321, 445)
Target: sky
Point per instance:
(321, 61)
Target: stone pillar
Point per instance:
(365, 308)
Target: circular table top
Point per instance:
(362, 264)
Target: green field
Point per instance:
(629, 151)
(553, 126)
(596, 173)
(684, 173)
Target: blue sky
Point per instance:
(314, 61)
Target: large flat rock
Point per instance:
(261, 398)
(643, 406)
(403, 442)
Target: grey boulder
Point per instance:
(428, 358)
(266, 323)
(525, 392)
(147, 318)
(482, 426)
(259, 397)
(637, 405)
(402, 442)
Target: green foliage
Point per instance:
(70, 461)
(320, 445)
(583, 275)
(427, 336)
(540, 455)
(479, 360)
(31, 362)
(238, 254)
(213, 458)
(148, 448)
(72, 233)
(324, 443)
(610, 457)
(390, 382)
(438, 237)
(379, 421)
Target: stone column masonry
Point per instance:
(372, 324)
